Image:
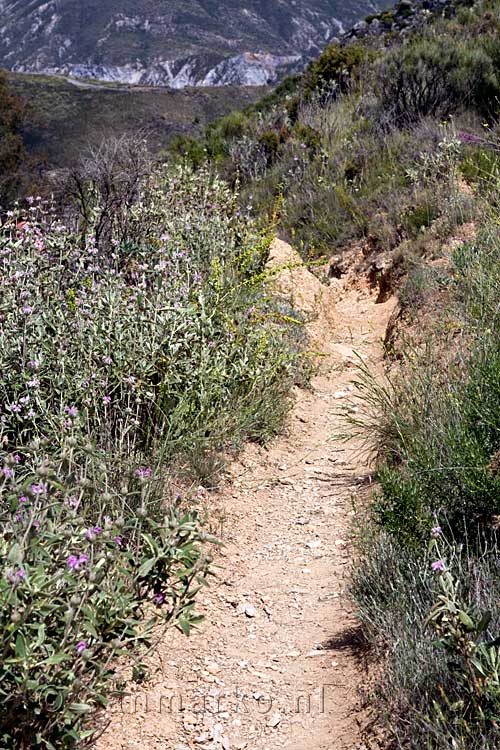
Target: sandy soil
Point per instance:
(277, 662)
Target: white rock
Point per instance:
(250, 611)
(314, 544)
(274, 721)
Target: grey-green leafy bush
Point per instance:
(127, 355)
(77, 591)
(432, 616)
(437, 421)
(163, 338)
(431, 76)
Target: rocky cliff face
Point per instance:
(404, 17)
(176, 43)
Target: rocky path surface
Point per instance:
(276, 663)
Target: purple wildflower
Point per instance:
(80, 647)
(143, 473)
(470, 138)
(436, 531)
(23, 500)
(16, 576)
(8, 472)
(159, 598)
(118, 541)
(33, 364)
(438, 566)
(75, 563)
(93, 533)
(27, 310)
(71, 411)
(106, 400)
(39, 489)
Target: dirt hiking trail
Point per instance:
(275, 664)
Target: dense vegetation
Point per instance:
(15, 164)
(138, 342)
(393, 145)
(337, 143)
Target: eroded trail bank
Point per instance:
(275, 663)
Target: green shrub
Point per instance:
(81, 585)
(438, 423)
(149, 337)
(436, 631)
(337, 66)
(433, 76)
(137, 343)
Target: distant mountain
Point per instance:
(172, 42)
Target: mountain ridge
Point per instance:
(201, 43)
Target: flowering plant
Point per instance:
(120, 351)
(73, 598)
(462, 630)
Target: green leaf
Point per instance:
(41, 636)
(21, 648)
(55, 659)
(466, 620)
(79, 708)
(146, 567)
(184, 625)
(16, 554)
(89, 627)
(484, 622)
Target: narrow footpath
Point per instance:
(277, 662)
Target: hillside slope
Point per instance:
(66, 116)
(171, 43)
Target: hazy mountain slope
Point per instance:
(65, 117)
(174, 42)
